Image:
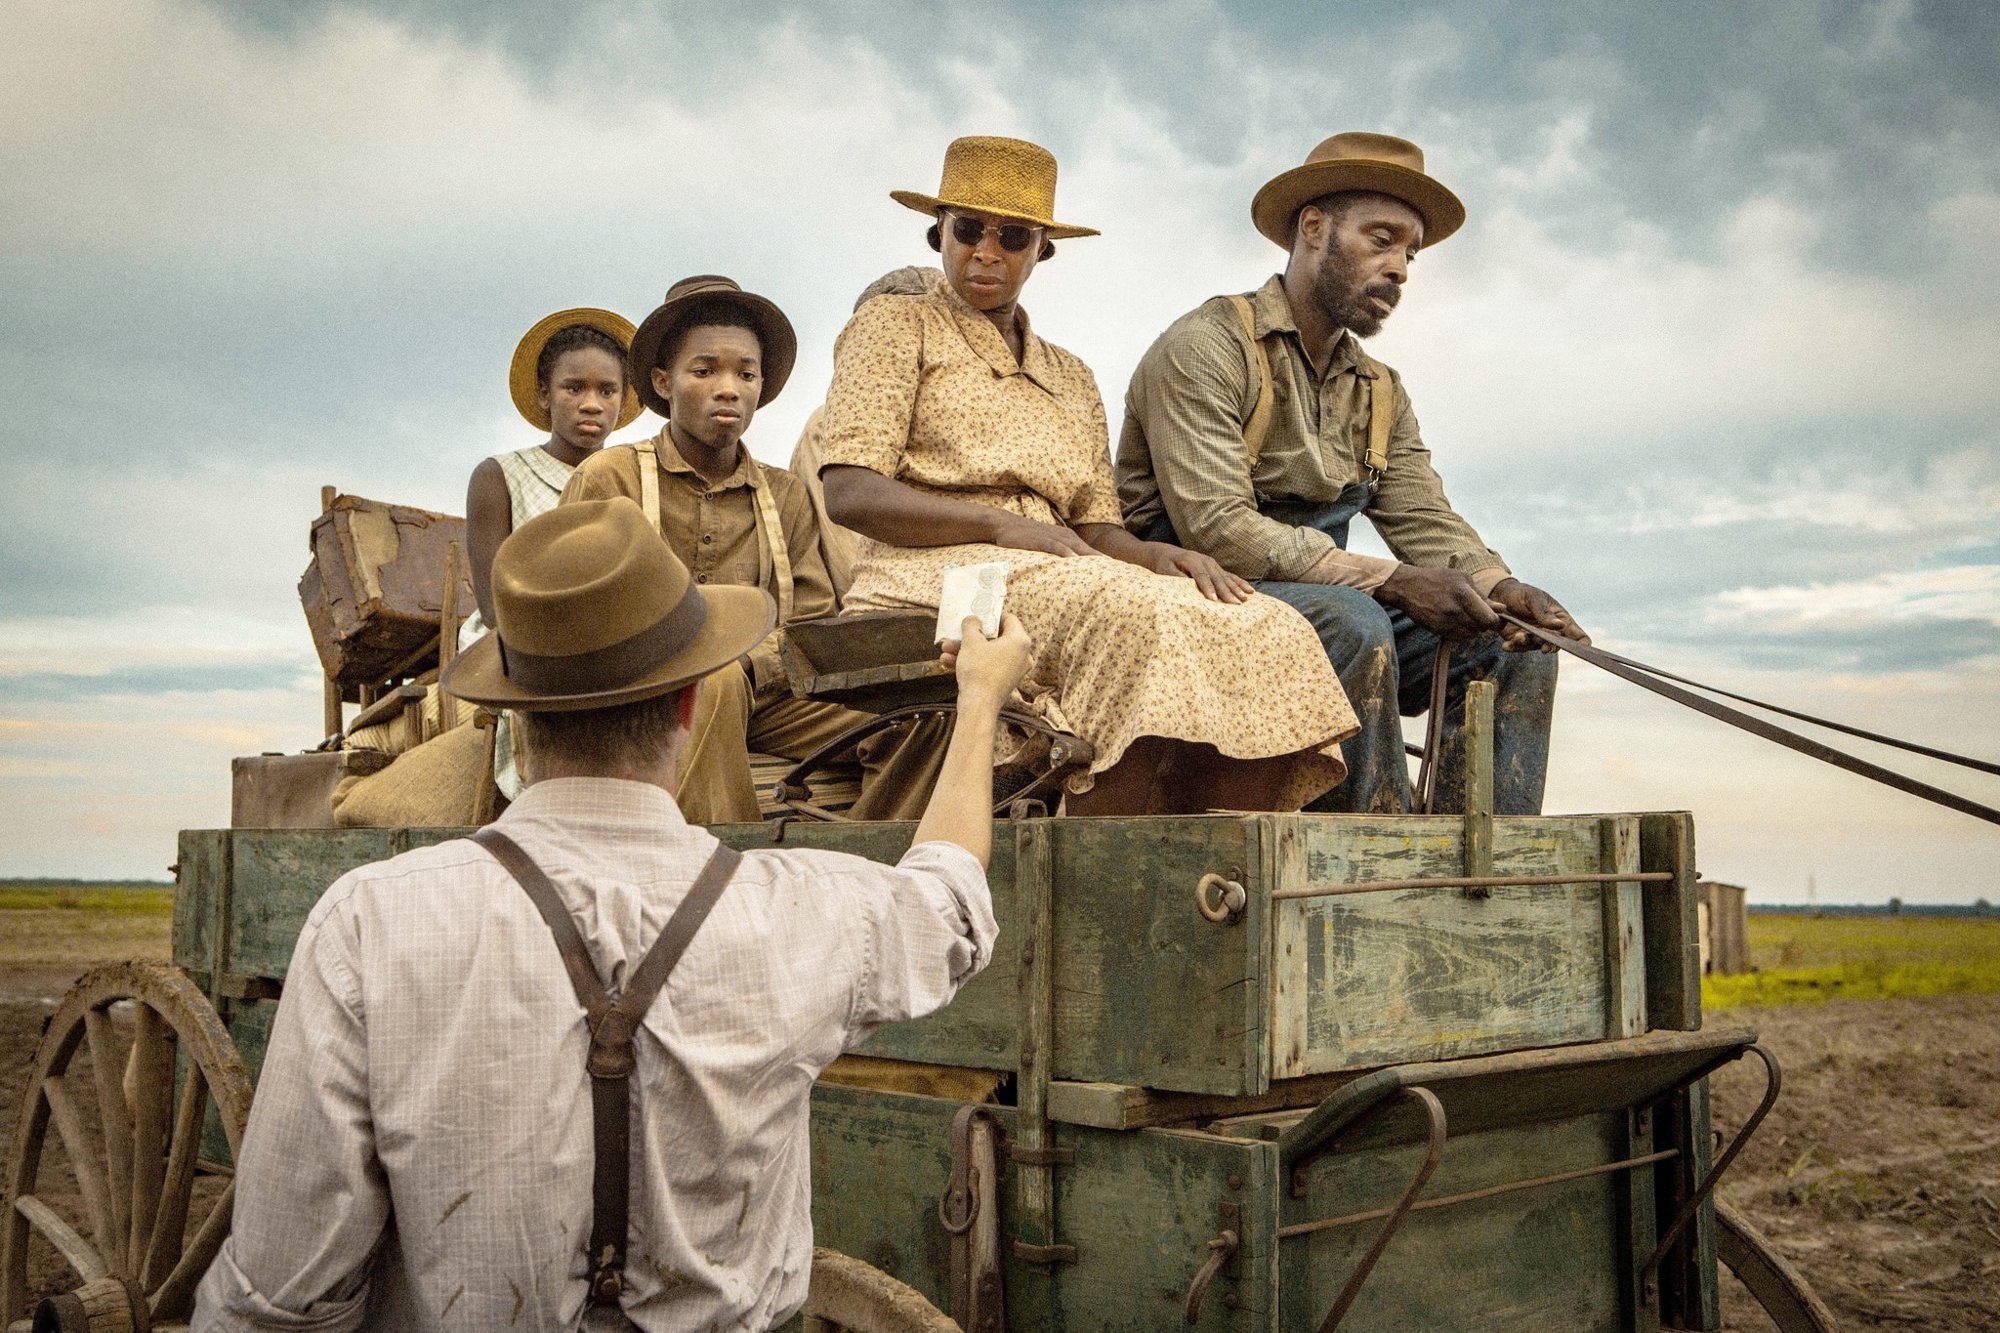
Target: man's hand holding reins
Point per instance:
(1526, 602)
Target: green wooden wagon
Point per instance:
(1252, 1072)
(1233, 1071)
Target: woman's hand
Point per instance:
(1025, 534)
(1216, 583)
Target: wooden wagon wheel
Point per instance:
(1777, 1286)
(131, 1142)
(849, 1294)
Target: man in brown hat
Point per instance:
(706, 360)
(452, 1100)
(1256, 429)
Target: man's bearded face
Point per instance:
(1343, 293)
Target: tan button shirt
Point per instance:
(1181, 452)
(425, 1074)
(715, 531)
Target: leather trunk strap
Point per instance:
(613, 1022)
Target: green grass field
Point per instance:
(28, 896)
(1803, 959)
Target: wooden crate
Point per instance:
(1148, 993)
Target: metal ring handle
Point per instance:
(1226, 906)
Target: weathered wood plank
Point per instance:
(201, 876)
(1148, 991)
(1545, 1258)
(1479, 696)
(1624, 949)
(1141, 1208)
(1672, 941)
(1422, 974)
(277, 876)
(879, 1165)
(1122, 1106)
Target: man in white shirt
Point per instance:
(420, 1154)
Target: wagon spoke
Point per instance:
(177, 1188)
(149, 1083)
(84, 1150)
(106, 1066)
(171, 1298)
(75, 1250)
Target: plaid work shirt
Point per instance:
(1181, 453)
(419, 1153)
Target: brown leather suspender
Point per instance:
(612, 1021)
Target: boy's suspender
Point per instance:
(612, 1022)
(772, 552)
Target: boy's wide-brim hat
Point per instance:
(592, 609)
(1009, 178)
(521, 380)
(774, 334)
(1380, 163)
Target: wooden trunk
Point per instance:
(374, 591)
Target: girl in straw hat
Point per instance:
(567, 378)
(955, 435)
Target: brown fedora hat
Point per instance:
(1009, 178)
(523, 385)
(592, 608)
(1357, 160)
(774, 332)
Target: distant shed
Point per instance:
(1724, 919)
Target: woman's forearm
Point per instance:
(1119, 544)
(897, 513)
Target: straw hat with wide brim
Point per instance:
(521, 380)
(1009, 178)
(591, 608)
(774, 334)
(1357, 160)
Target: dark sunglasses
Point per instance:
(1014, 236)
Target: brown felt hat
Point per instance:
(774, 334)
(521, 380)
(1008, 178)
(592, 609)
(1381, 163)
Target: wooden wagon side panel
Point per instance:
(1557, 1256)
(879, 1165)
(1672, 936)
(1147, 991)
(1388, 977)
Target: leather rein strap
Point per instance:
(1651, 678)
(613, 1021)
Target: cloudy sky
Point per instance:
(1714, 358)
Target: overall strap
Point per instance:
(1381, 411)
(649, 480)
(773, 529)
(613, 1021)
(1259, 426)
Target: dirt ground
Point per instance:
(1877, 1174)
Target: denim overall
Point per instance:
(1384, 661)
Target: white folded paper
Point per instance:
(972, 590)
